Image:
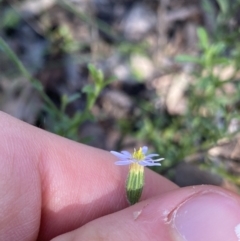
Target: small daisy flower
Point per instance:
(136, 161)
(139, 156)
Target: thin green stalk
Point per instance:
(36, 83)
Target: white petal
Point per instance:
(158, 160)
(153, 160)
(154, 164)
(119, 155)
(121, 163)
(151, 155)
(144, 164)
(144, 149)
(147, 163)
(126, 153)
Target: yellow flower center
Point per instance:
(138, 154)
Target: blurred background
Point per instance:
(121, 74)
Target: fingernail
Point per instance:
(208, 217)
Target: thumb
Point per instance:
(189, 214)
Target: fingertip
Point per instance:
(209, 215)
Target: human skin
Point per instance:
(54, 188)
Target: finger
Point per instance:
(70, 183)
(189, 214)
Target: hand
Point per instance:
(52, 186)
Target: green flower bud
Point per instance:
(135, 182)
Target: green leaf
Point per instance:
(224, 6)
(88, 89)
(203, 38)
(73, 97)
(96, 74)
(188, 58)
(100, 76)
